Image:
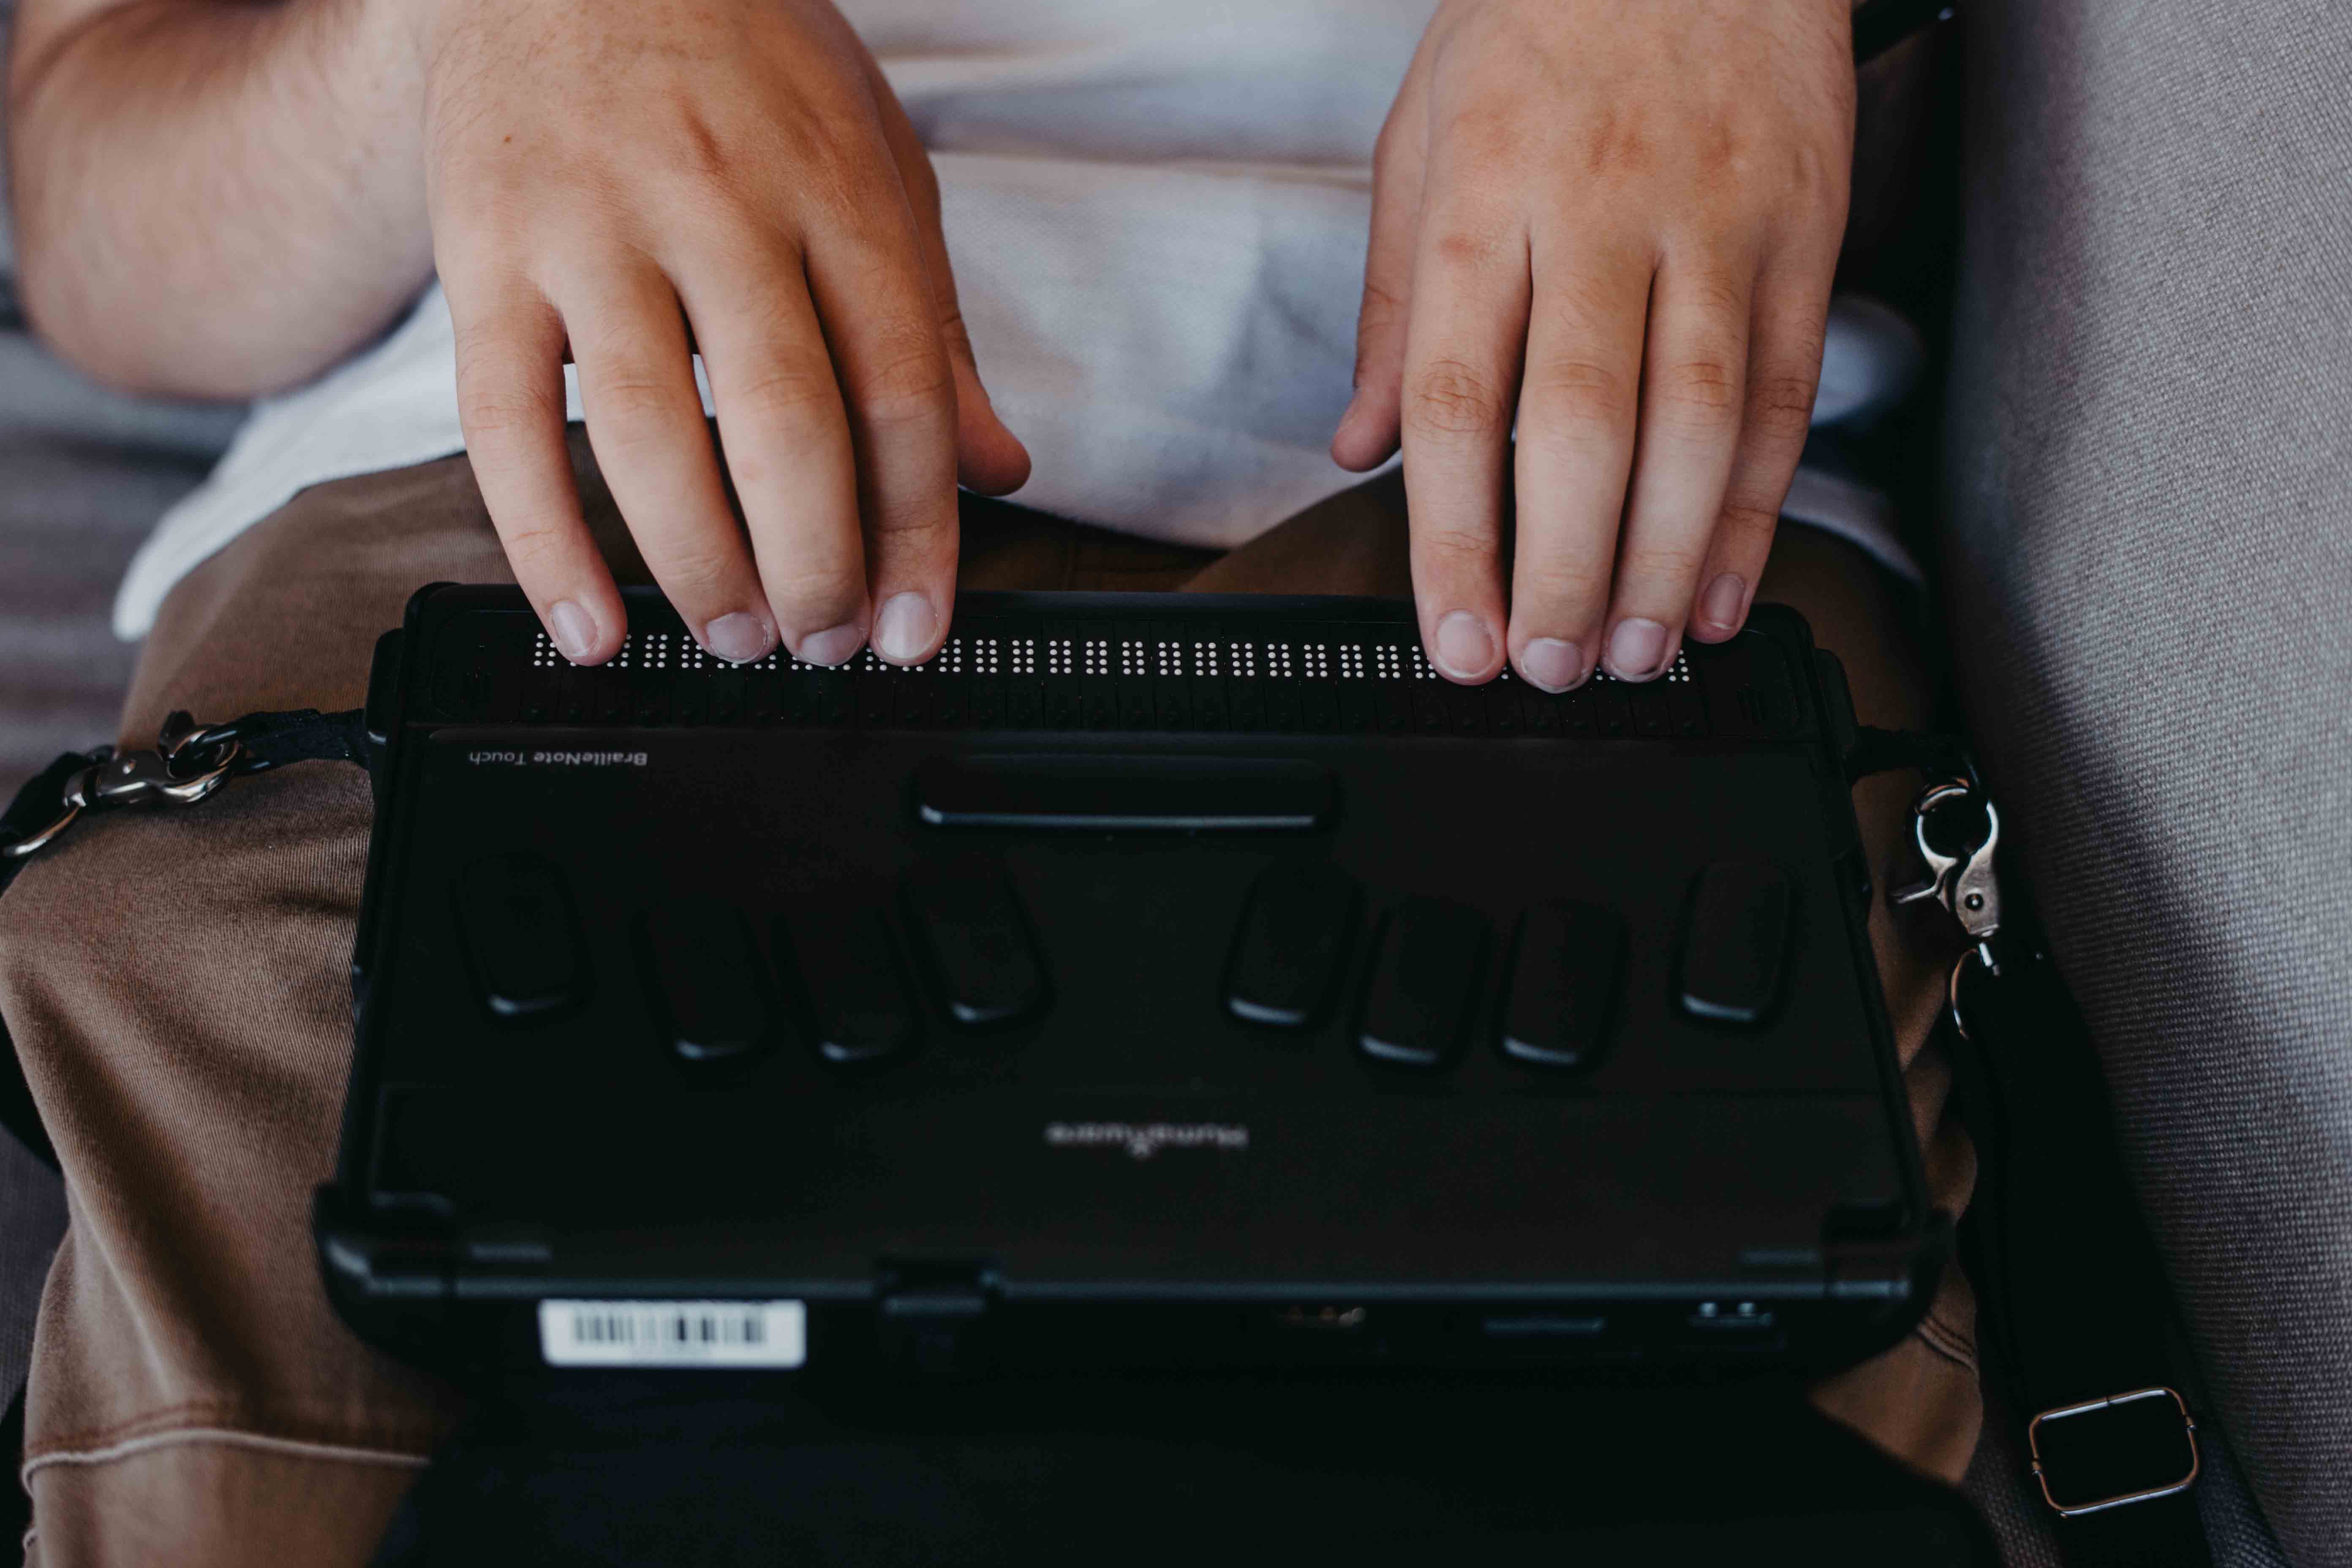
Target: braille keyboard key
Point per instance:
(977, 941)
(1293, 936)
(1567, 962)
(1735, 942)
(1423, 982)
(514, 918)
(856, 988)
(704, 977)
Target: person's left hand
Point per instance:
(1616, 224)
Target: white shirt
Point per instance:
(1156, 211)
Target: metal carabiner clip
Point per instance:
(1964, 883)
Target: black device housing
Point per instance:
(1146, 981)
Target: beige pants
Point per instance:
(177, 985)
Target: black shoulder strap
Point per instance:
(2071, 1296)
(188, 764)
(2074, 1300)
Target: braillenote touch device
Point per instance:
(1148, 980)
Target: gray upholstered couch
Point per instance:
(2149, 566)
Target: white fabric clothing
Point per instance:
(1157, 215)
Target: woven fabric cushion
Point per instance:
(2151, 570)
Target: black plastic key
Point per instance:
(1567, 962)
(977, 941)
(1735, 942)
(1425, 979)
(515, 918)
(856, 989)
(710, 999)
(1293, 937)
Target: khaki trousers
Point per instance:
(177, 986)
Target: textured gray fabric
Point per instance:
(2001, 1483)
(2150, 569)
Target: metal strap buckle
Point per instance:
(2107, 1406)
(187, 765)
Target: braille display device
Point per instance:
(1147, 980)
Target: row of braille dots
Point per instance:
(1170, 656)
(651, 651)
(639, 650)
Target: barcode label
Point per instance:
(673, 1333)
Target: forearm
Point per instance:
(215, 199)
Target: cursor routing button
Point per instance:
(977, 940)
(515, 919)
(1735, 942)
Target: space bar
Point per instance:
(1096, 794)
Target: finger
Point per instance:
(1463, 353)
(1784, 370)
(1694, 388)
(1578, 401)
(1369, 431)
(880, 318)
(989, 458)
(785, 438)
(646, 424)
(510, 408)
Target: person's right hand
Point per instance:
(641, 181)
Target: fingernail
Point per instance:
(1719, 605)
(903, 631)
(1636, 649)
(740, 638)
(1552, 664)
(1464, 647)
(572, 630)
(838, 646)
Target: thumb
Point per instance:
(989, 459)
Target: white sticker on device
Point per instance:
(673, 1333)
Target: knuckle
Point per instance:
(633, 408)
(783, 391)
(1382, 304)
(1780, 407)
(497, 412)
(905, 379)
(1451, 544)
(914, 523)
(1698, 397)
(1616, 148)
(825, 592)
(1487, 136)
(1578, 392)
(1461, 246)
(699, 569)
(1450, 397)
(1664, 564)
(1562, 582)
(1746, 522)
(536, 547)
